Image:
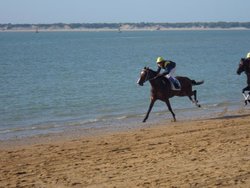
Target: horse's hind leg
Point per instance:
(195, 101)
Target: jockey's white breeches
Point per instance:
(171, 73)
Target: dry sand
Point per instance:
(198, 153)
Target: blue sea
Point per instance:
(56, 81)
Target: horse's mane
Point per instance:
(149, 69)
(246, 62)
(160, 80)
(152, 70)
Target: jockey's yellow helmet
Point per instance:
(159, 59)
(248, 55)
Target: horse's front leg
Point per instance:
(170, 109)
(149, 109)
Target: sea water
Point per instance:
(53, 81)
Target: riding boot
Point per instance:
(175, 82)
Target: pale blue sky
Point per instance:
(120, 11)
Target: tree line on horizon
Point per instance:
(223, 25)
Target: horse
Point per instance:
(244, 66)
(161, 89)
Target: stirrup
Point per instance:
(176, 85)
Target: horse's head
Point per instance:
(145, 75)
(242, 66)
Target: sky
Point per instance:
(122, 11)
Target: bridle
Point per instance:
(147, 76)
(147, 72)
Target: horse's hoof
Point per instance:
(245, 102)
(199, 105)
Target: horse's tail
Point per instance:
(194, 83)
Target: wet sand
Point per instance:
(211, 152)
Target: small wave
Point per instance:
(50, 126)
(122, 117)
(5, 131)
(216, 105)
(129, 116)
(84, 122)
(30, 128)
(223, 104)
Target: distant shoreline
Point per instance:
(122, 27)
(124, 30)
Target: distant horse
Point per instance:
(161, 89)
(244, 66)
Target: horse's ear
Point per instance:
(145, 67)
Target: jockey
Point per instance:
(169, 67)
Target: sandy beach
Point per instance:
(212, 152)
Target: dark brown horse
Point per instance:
(161, 89)
(244, 66)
